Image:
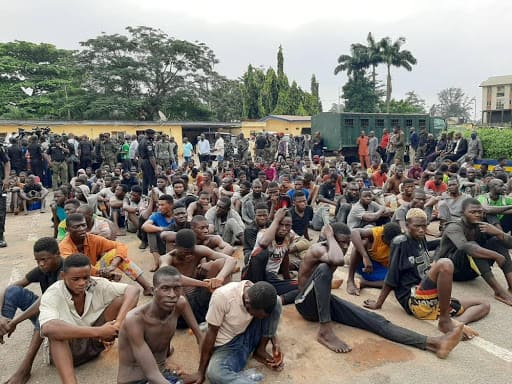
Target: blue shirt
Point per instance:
(187, 150)
(291, 193)
(160, 220)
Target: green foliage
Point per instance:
(496, 142)
(359, 95)
(411, 104)
(453, 103)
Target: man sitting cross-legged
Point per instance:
(242, 319)
(16, 296)
(315, 302)
(370, 257)
(105, 255)
(76, 328)
(424, 289)
(198, 277)
(146, 334)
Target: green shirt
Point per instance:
(501, 202)
(124, 151)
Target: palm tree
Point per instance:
(374, 55)
(393, 55)
(354, 64)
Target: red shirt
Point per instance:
(379, 179)
(435, 188)
(384, 141)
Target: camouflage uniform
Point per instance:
(108, 152)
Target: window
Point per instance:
(349, 123)
(395, 123)
(499, 104)
(500, 91)
(422, 123)
(408, 123)
(365, 123)
(379, 123)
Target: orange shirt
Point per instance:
(94, 247)
(362, 145)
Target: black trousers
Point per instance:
(3, 212)
(148, 176)
(317, 304)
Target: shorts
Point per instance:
(378, 274)
(424, 302)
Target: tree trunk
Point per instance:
(388, 89)
(373, 78)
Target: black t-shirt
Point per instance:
(408, 265)
(328, 191)
(33, 187)
(85, 148)
(261, 142)
(56, 153)
(3, 159)
(300, 224)
(44, 279)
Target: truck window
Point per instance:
(379, 123)
(349, 123)
(422, 123)
(408, 123)
(395, 123)
(365, 123)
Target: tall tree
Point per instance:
(373, 54)
(315, 105)
(280, 61)
(393, 55)
(270, 92)
(453, 103)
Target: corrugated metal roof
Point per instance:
(286, 118)
(497, 80)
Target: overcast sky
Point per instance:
(458, 43)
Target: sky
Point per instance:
(457, 43)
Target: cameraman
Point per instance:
(5, 170)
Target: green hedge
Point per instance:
(496, 141)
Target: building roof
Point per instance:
(497, 80)
(184, 124)
(286, 118)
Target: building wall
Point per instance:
(274, 126)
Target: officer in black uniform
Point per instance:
(56, 157)
(148, 165)
(5, 170)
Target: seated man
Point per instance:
(199, 207)
(226, 221)
(474, 246)
(146, 334)
(450, 207)
(419, 198)
(367, 212)
(326, 202)
(261, 221)
(179, 213)
(198, 276)
(370, 257)
(135, 207)
(97, 225)
(58, 212)
(424, 289)
(316, 303)
(242, 319)
(33, 192)
(271, 256)
(157, 223)
(201, 228)
(117, 214)
(77, 330)
(70, 206)
(105, 255)
(16, 296)
(497, 204)
(405, 196)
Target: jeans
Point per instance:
(317, 304)
(229, 359)
(17, 297)
(321, 217)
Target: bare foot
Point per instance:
(265, 358)
(352, 289)
(468, 333)
(18, 378)
(504, 297)
(121, 233)
(154, 268)
(327, 337)
(449, 341)
(336, 283)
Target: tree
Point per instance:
(393, 55)
(148, 70)
(314, 105)
(452, 103)
(270, 92)
(226, 99)
(411, 104)
(359, 95)
(280, 62)
(37, 81)
(373, 54)
(252, 83)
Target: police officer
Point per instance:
(108, 151)
(148, 165)
(56, 158)
(5, 170)
(243, 148)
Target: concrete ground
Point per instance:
(487, 358)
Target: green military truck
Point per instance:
(340, 130)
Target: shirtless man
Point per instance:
(207, 185)
(315, 277)
(198, 277)
(199, 207)
(370, 256)
(146, 334)
(405, 197)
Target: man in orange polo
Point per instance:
(105, 255)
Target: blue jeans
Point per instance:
(229, 359)
(17, 297)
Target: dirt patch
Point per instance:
(373, 353)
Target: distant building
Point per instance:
(497, 100)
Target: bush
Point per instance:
(497, 142)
